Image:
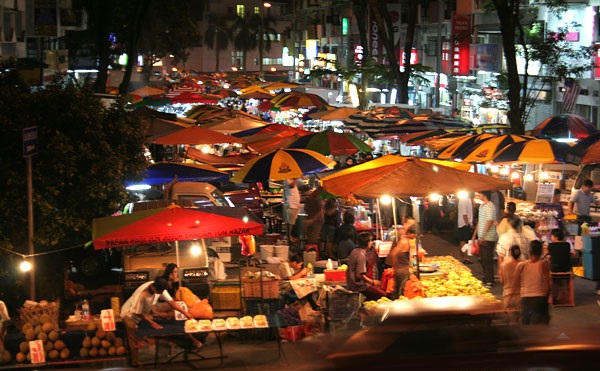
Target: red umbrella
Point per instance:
(173, 224)
(189, 97)
(564, 126)
(197, 135)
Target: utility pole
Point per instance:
(30, 138)
(438, 60)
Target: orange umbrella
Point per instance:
(337, 113)
(234, 124)
(297, 100)
(400, 176)
(462, 143)
(197, 135)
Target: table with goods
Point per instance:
(38, 340)
(442, 280)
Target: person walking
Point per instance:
(464, 224)
(532, 277)
(511, 299)
(313, 207)
(399, 259)
(485, 233)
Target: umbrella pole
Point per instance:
(395, 220)
(417, 234)
(177, 257)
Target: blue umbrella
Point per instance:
(165, 172)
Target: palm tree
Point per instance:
(265, 35)
(217, 36)
(244, 35)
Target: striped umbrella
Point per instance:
(297, 100)
(488, 148)
(564, 126)
(537, 151)
(462, 143)
(329, 142)
(282, 164)
(444, 122)
(405, 126)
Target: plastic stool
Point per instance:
(562, 290)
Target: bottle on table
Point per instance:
(85, 310)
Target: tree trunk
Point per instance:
(384, 22)
(508, 28)
(408, 43)
(102, 12)
(139, 12)
(360, 10)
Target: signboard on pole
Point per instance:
(30, 141)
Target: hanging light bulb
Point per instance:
(25, 266)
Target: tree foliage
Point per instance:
(85, 151)
(522, 38)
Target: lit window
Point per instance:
(240, 10)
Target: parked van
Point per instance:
(184, 194)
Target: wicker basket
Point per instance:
(270, 289)
(34, 313)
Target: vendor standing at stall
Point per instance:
(138, 311)
(581, 200)
(400, 260)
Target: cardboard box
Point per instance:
(335, 275)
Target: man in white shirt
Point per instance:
(140, 307)
(513, 236)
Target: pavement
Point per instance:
(260, 352)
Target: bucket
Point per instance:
(282, 251)
(267, 251)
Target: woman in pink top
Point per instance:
(532, 277)
(510, 293)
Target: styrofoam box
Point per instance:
(282, 251)
(224, 256)
(267, 251)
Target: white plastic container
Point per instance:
(267, 251)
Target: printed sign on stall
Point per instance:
(36, 349)
(178, 315)
(545, 192)
(108, 320)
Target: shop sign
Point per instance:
(461, 34)
(597, 61)
(484, 57)
(446, 54)
(414, 58)
(358, 55)
(377, 54)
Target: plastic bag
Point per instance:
(474, 248)
(471, 248)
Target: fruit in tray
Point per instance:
(191, 325)
(219, 324)
(233, 322)
(205, 325)
(247, 321)
(260, 320)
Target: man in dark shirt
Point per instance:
(356, 273)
